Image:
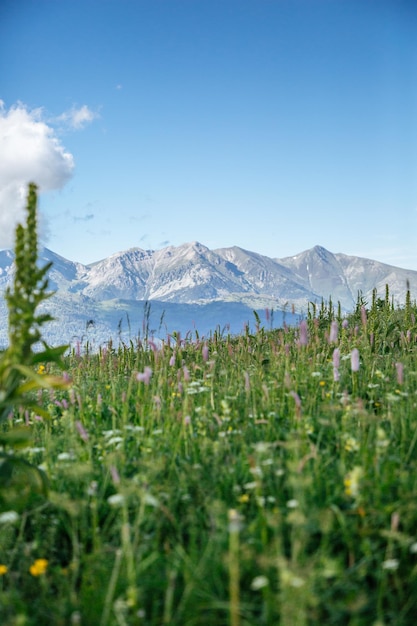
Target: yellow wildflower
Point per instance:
(38, 567)
(3, 569)
(243, 498)
(41, 369)
(352, 482)
(322, 383)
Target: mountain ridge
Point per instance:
(194, 276)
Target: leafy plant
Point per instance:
(18, 376)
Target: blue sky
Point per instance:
(273, 125)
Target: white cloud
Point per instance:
(78, 118)
(30, 151)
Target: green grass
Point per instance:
(246, 489)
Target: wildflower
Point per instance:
(322, 383)
(382, 440)
(363, 316)
(292, 504)
(114, 475)
(150, 500)
(81, 430)
(114, 440)
(65, 456)
(297, 399)
(345, 324)
(251, 485)
(262, 446)
(39, 567)
(92, 488)
(390, 564)
(205, 352)
(144, 376)
(243, 498)
(9, 517)
(172, 361)
(3, 569)
(117, 499)
(350, 444)
(354, 360)
(235, 521)
(303, 340)
(259, 582)
(352, 482)
(334, 331)
(400, 373)
(153, 346)
(41, 369)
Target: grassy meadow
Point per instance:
(269, 478)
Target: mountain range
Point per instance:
(190, 287)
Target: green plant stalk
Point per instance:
(234, 575)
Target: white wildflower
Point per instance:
(259, 582)
(292, 504)
(9, 517)
(117, 499)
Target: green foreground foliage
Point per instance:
(269, 478)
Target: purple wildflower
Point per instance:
(144, 376)
(334, 331)
(354, 360)
(114, 475)
(336, 363)
(153, 345)
(297, 399)
(81, 430)
(303, 340)
(400, 373)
